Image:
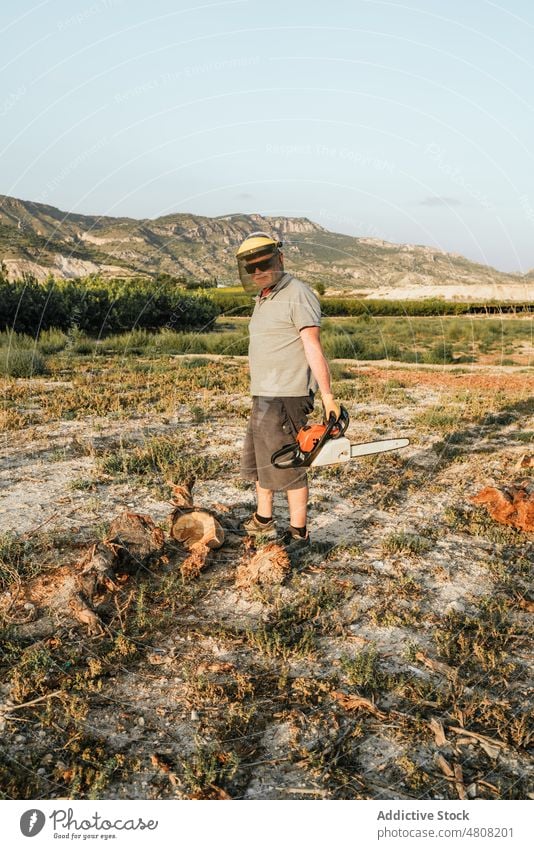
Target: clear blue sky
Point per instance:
(412, 122)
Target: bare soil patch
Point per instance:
(391, 662)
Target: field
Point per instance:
(394, 661)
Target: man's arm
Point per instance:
(311, 339)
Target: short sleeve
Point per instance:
(305, 307)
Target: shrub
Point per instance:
(52, 340)
(16, 561)
(98, 306)
(440, 352)
(21, 362)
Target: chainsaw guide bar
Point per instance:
(326, 445)
(341, 451)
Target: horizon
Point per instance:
(262, 215)
(271, 215)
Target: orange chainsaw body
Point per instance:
(309, 436)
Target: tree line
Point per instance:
(100, 306)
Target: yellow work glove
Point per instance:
(330, 405)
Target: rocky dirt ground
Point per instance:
(393, 662)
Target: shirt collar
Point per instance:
(282, 283)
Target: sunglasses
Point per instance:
(264, 265)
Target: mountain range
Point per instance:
(42, 240)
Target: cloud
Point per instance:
(435, 200)
(244, 196)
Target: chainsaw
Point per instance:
(325, 444)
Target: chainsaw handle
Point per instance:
(292, 457)
(342, 424)
(330, 425)
(288, 457)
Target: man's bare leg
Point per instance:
(298, 506)
(264, 498)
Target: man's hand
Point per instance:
(330, 405)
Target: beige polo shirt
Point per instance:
(278, 364)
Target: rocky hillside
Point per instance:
(44, 240)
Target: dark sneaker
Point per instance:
(260, 529)
(293, 542)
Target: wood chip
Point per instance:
(160, 763)
(198, 557)
(459, 782)
(181, 495)
(358, 703)
(525, 604)
(214, 667)
(436, 726)
(437, 666)
(444, 766)
(490, 787)
(83, 613)
(452, 774)
(526, 461)
(491, 746)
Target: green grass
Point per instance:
(291, 629)
(480, 640)
(424, 339)
(16, 562)
(363, 671)
(407, 543)
(171, 457)
(22, 362)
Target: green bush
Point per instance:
(99, 307)
(8, 339)
(21, 362)
(52, 341)
(440, 352)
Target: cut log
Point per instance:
(196, 526)
(135, 539)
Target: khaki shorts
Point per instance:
(273, 423)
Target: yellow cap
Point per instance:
(255, 243)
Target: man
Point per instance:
(287, 366)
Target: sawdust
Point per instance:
(269, 566)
